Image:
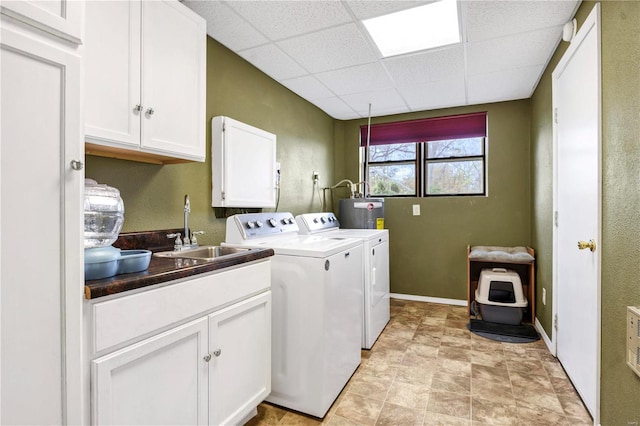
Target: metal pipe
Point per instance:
(187, 210)
(366, 155)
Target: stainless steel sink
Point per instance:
(203, 252)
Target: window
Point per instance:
(430, 157)
(454, 167)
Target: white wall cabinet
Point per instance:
(41, 205)
(62, 18)
(243, 165)
(195, 352)
(145, 80)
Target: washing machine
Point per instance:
(316, 312)
(375, 277)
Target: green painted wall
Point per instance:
(620, 252)
(428, 252)
(153, 195)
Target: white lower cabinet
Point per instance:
(212, 370)
(161, 380)
(240, 367)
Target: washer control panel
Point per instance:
(249, 226)
(314, 222)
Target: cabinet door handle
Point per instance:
(77, 165)
(138, 108)
(207, 358)
(217, 352)
(150, 111)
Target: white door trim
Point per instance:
(591, 23)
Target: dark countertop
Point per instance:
(163, 269)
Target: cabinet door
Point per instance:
(240, 375)
(161, 380)
(62, 18)
(112, 73)
(173, 80)
(243, 164)
(41, 206)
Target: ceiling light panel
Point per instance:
(283, 19)
(424, 27)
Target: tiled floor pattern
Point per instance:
(427, 369)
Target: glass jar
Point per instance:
(103, 214)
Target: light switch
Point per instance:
(416, 209)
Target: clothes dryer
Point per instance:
(375, 277)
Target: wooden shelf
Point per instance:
(526, 271)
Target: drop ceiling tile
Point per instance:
(504, 85)
(516, 51)
(425, 67)
(365, 9)
(382, 102)
(334, 48)
(441, 94)
(356, 79)
(224, 25)
(490, 19)
(336, 108)
(283, 19)
(273, 62)
(308, 87)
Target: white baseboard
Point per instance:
(545, 338)
(456, 302)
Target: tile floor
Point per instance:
(427, 369)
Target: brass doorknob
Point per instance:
(591, 245)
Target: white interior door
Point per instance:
(576, 98)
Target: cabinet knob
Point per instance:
(150, 111)
(77, 165)
(207, 358)
(217, 352)
(138, 108)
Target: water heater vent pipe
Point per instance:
(366, 154)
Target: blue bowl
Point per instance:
(133, 261)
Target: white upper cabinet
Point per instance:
(145, 70)
(62, 18)
(243, 165)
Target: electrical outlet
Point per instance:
(416, 209)
(544, 296)
(316, 177)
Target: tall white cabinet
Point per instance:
(145, 80)
(41, 178)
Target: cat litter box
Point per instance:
(500, 297)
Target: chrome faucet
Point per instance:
(186, 243)
(187, 209)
